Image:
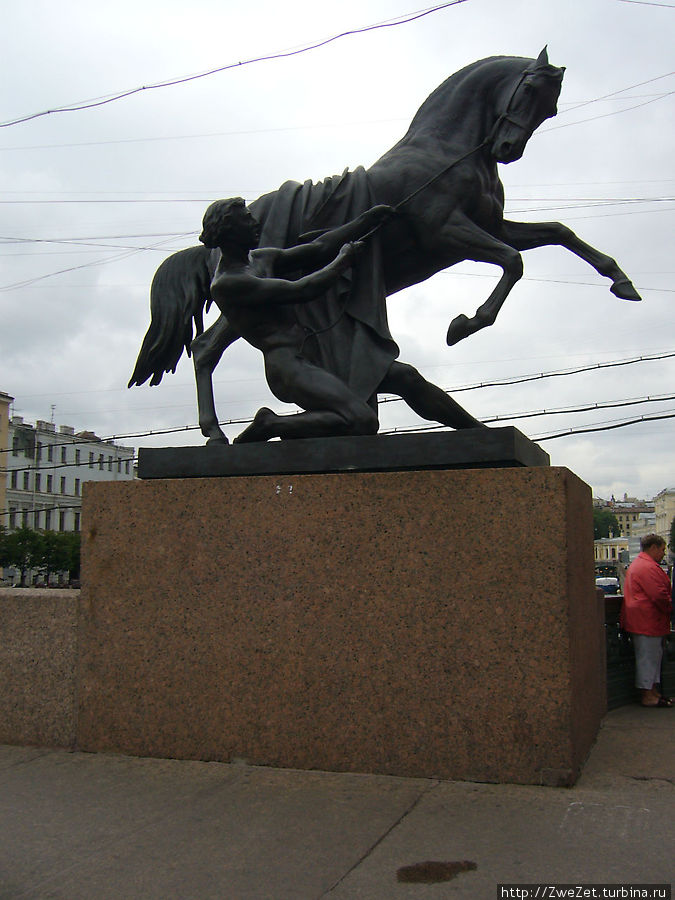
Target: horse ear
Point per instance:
(542, 59)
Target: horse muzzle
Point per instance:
(510, 146)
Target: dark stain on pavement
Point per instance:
(431, 872)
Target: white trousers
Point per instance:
(648, 653)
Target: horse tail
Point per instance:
(179, 292)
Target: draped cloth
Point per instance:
(347, 329)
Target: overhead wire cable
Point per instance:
(79, 441)
(111, 98)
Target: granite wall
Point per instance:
(424, 623)
(38, 643)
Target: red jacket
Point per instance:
(646, 598)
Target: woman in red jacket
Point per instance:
(645, 613)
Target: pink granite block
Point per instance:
(38, 645)
(432, 623)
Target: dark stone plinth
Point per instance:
(467, 449)
(434, 623)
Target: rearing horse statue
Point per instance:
(442, 178)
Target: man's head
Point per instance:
(229, 222)
(654, 546)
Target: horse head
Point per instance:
(523, 105)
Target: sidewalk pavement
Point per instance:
(79, 826)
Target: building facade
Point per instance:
(5, 403)
(664, 507)
(632, 515)
(46, 468)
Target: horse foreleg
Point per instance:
(480, 246)
(207, 349)
(528, 235)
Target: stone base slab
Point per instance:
(470, 448)
(435, 624)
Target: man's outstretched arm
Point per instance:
(323, 248)
(251, 290)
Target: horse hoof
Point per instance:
(221, 439)
(624, 290)
(458, 330)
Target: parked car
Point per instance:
(609, 585)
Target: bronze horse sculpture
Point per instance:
(442, 179)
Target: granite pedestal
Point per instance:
(417, 623)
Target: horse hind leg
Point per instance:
(207, 350)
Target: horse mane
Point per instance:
(458, 80)
(477, 75)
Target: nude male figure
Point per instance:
(256, 300)
(250, 291)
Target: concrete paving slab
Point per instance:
(76, 826)
(112, 827)
(520, 835)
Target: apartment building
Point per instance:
(45, 468)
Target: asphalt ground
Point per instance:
(80, 826)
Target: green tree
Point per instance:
(56, 553)
(604, 521)
(71, 542)
(23, 550)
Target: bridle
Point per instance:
(507, 115)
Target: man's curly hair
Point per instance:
(217, 220)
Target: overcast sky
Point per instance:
(94, 200)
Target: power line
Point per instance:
(649, 3)
(604, 426)
(601, 426)
(613, 94)
(500, 383)
(533, 414)
(576, 202)
(616, 112)
(94, 262)
(102, 101)
(522, 379)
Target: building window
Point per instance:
(26, 480)
(15, 478)
(77, 521)
(100, 461)
(50, 453)
(12, 519)
(77, 487)
(38, 452)
(36, 519)
(91, 460)
(119, 466)
(38, 482)
(63, 455)
(48, 520)
(63, 484)
(126, 467)
(62, 520)
(77, 457)
(50, 482)
(110, 463)
(24, 518)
